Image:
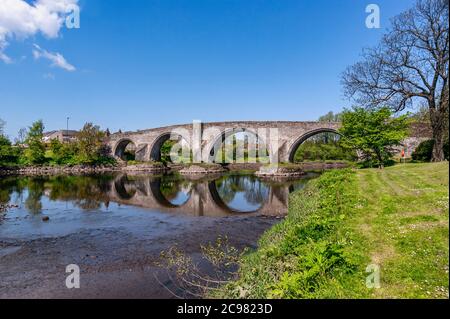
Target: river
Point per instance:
(115, 226)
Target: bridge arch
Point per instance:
(299, 141)
(155, 148)
(218, 141)
(121, 146)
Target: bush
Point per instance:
(424, 151)
(8, 153)
(64, 154)
(318, 150)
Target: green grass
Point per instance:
(396, 218)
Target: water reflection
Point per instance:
(219, 196)
(242, 193)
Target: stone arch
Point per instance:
(155, 148)
(214, 144)
(304, 137)
(121, 145)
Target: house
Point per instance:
(61, 135)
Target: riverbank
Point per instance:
(54, 170)
(156, 168)
(114, 227)
(114, 262)
(393, 220)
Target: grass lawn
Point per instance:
(396, 219)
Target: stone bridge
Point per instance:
(203, 197)
(280, 138)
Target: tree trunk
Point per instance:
(438, 127)
(380, 159)
(438, 148)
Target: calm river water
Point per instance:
(114, 227)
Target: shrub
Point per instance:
(63, 154)
(8, 153)
(424, 151)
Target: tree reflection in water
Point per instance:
(175, 189)
(253, 190)
(35, 188)
(85, 192)
(239, 193)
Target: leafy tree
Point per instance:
(8, 154)
(35, 154)
(63, 153)
(322, 147)
(331, 117)
(90, 142)
(373, 132)
(410, 64)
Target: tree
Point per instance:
(21, 136)
(89, 142)
(424, 151)
(410, 63)
(35, 154)
(2, 126)
(8, 154)
(331, 117)
(63, 153)
(373, 132)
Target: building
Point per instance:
(61, 135)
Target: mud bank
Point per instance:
(114, 262)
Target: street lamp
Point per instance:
(67, 129)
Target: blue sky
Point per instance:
(141, 64)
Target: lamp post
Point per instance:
(67, 129)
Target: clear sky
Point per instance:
(139, 64)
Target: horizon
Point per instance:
(156, 64)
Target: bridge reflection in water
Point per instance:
(214, 196)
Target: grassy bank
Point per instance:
(396, 218)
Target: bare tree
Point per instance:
(21, 136)
(410, 63)
(2, 125)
